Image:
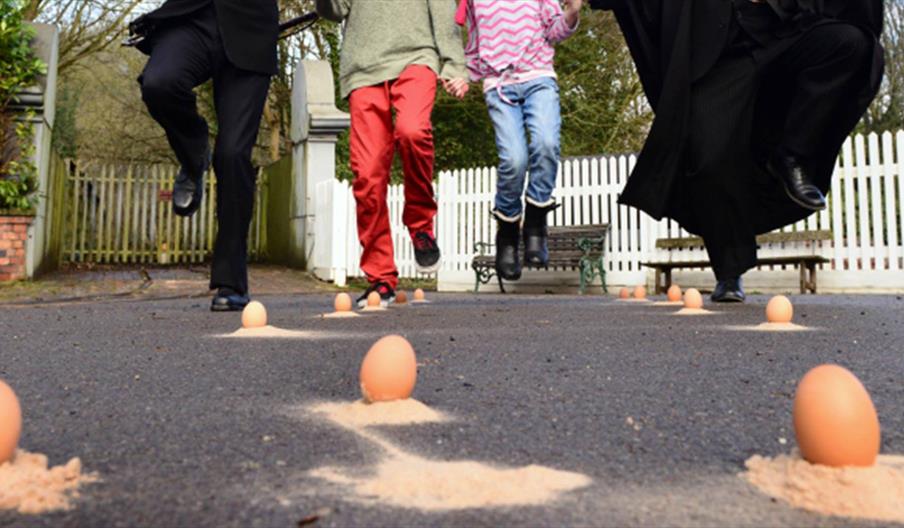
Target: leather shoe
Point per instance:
(508, 263)
(797, 182)
(228, 301)
(188, 189)
(729, 291)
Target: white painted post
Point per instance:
(41, 99)
(316, 125)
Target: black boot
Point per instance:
(188, 189)
(729, 291)
(508, 262)
(797, 182)
(536, 252)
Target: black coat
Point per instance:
(676, 42)
(249, 29)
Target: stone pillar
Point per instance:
(40, 99)
(316, 126)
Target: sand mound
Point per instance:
(363, 414)
(268, 332)
(340, 315)
(410, 481)
(29, 486)
(668, 303)
(771, 327)
(693, 311)
(875, 492)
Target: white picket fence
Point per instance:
(864, 216)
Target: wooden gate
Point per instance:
(122, 214)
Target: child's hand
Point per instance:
(456, 87)
(573, 11)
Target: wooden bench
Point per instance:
(581, 247)
(805, 262)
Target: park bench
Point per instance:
(806, 262)
(581, 247)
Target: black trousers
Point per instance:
(817, 72)
(186, 53)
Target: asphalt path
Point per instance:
(188, 429)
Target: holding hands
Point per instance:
(456, 87)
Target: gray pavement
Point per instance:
(190, 430)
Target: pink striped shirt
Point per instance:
(511, 41)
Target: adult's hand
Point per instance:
(573, 12)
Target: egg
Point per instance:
(640, 293)
(779, 310)
(834, 419)
(401, 298)
(624, 293)
(373, 300)
(674, 293)
(693, 299)
(343, 303)
(419, 295)
(10, 422)
(389, 370)
(254, 315)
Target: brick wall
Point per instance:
(13, 235)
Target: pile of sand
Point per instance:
(363, 414)
(410, 481)
(29, 486)
(771, 327)
(668, 303)
(693, 311)
(267, 332)
(875, 492)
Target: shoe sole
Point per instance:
(427, 270)
(226, 308)
(190, 210)
(728, 300)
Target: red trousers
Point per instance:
(373, 143)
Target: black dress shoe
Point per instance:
(536, 234)
(227, 300)
(188, 189)
(508, 263)
(729, 291)
(797, 182)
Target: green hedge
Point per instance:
(18, 70)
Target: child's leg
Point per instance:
(413, 95)
(544, 122)
(371, 150)
(508, 122)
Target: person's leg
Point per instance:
(720, 164)
(507, 116)
(239, 97)
(828, 65)
(544, 122)
(179, 61)
(371, 150)
(511, 144)
(413, 95)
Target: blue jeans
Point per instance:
(534, 107)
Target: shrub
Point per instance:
(18, 70)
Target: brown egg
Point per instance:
(373, 300)
(343, 303)
(419, 295)
(254, 315)
(10, 422)
(401, 297)
(389, 370)
(693, 299)
(834, 419)
(624, 293)
(674, 293)
(640, 292)
(779, 310)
